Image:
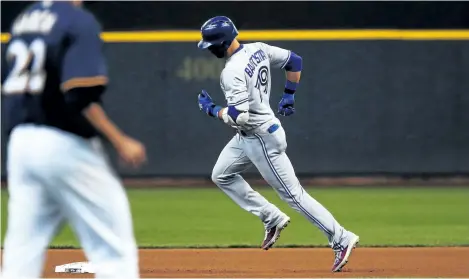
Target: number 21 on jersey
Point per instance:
(262, 81)
(28, 74)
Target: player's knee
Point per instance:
(215, 173)
(221, 178)
(216, 176)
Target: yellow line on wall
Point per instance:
(284, 35)
(5, 37)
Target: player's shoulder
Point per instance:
(256, 45)
(30, 7)
(232, 76)
(22, 19)
(62, 16)
(86, 15)
(231, 71)
(79, 18)
(62, 9)
(85, 20)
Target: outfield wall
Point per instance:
(363, 107)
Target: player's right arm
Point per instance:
(233, 84)
(236, 113)
(84, 80)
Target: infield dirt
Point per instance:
(285, 262)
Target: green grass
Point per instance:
(381, 216)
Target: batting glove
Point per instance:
(206, 104)
(286, 105)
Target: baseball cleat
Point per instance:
(272, 235)
(342, 255)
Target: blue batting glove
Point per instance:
(286, 105)
(206, 104)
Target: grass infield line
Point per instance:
(284, 35)
(240, 246)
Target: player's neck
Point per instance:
(77, 3)
(233, 47)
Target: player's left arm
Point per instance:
(292, 63)
(236, 113)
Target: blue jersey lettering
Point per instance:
(254, 61)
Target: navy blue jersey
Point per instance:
(54, 48)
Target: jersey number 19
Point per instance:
(262, 81)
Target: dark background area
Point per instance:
(363, 108)
(135, 15)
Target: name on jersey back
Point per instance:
(34, 22)
(254, 61)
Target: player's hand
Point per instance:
(286, 106)
(206, 103)
(131, 151)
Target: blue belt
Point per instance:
(272, 128)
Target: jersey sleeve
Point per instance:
(278, 57)
(84, 64)
(234, 87)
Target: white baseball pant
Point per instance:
(53, 177)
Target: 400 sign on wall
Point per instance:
(200, 69)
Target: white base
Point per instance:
(78, 267)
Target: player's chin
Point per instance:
(218, 54)
(218, 51)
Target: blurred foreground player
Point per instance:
(57, 168)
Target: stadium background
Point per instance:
(383, 100)
(366, 107)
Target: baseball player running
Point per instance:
(57, 169)
(260, 140)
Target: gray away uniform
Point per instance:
(246, 83)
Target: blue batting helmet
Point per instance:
(218, 30)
